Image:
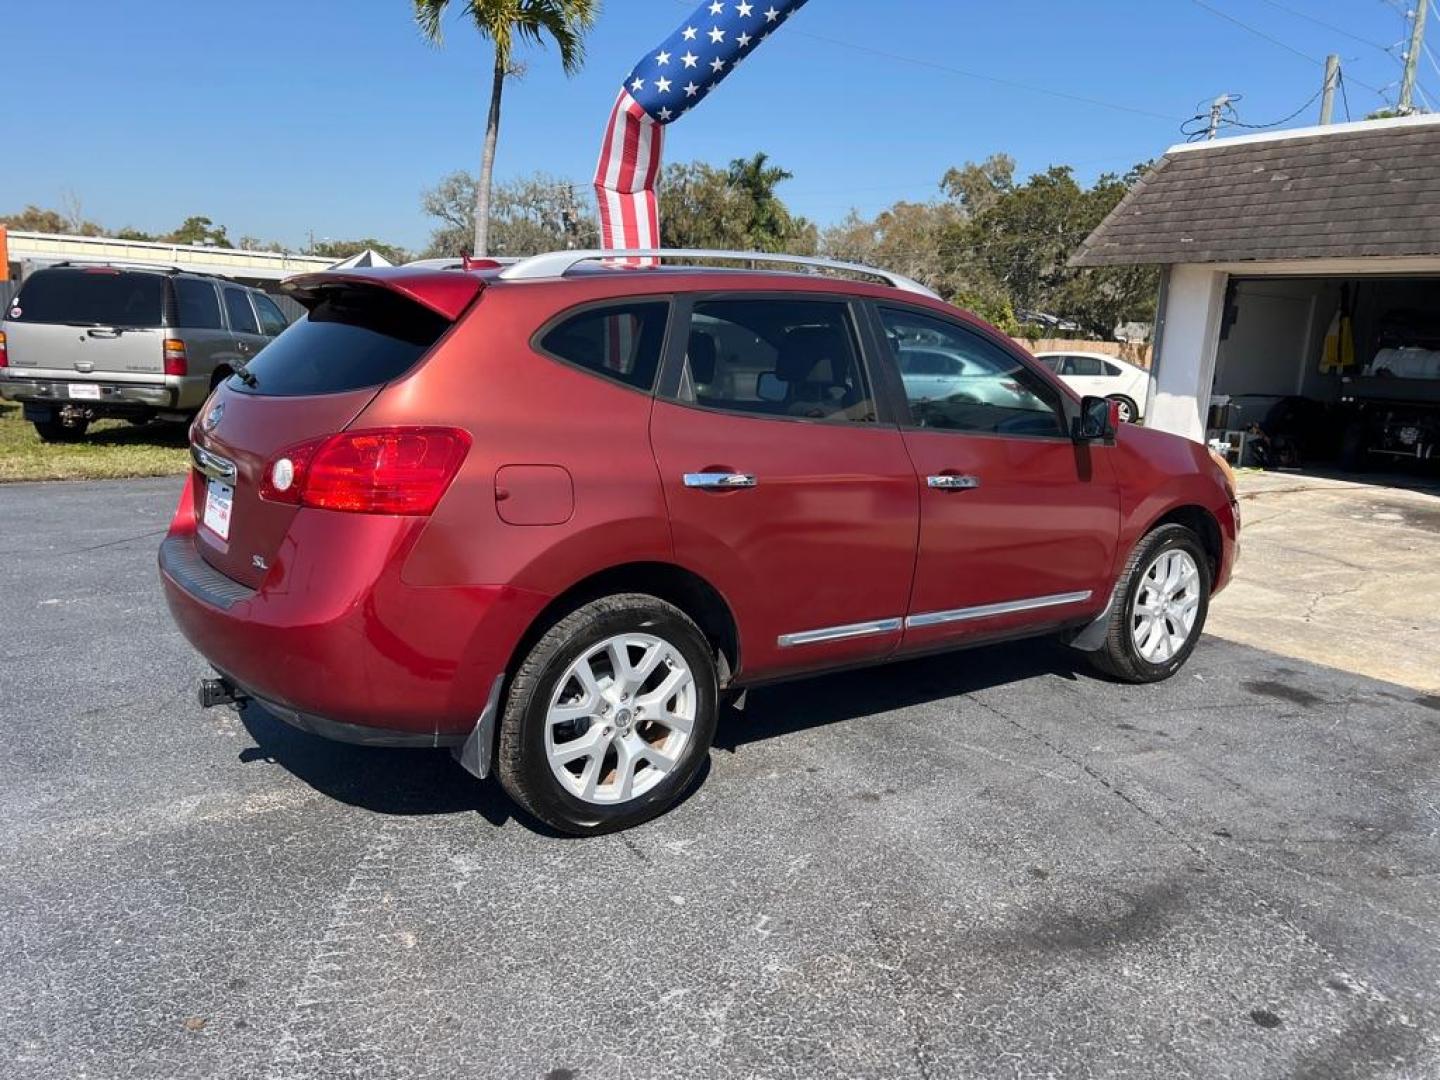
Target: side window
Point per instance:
(272, 323)
(197, 305)
(237, 306)
(1084, 365)
(992, 391)
(1112, 370)
(619, 341)
(1051, 362)
(776, 358)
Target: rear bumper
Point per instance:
(170, 392)
(335, 643)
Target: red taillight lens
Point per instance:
(176, 362)
(4, 351)
(397, 470)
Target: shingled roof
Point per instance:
(1365, 189)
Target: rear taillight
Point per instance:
(175, 360)
(394, 470)
(4, 351)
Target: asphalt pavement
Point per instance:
(985, 865)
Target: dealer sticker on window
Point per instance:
(218, 500)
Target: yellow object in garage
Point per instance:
(1339, 344)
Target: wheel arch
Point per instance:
(1203, 524)
(674, 584)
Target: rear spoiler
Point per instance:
(444, 292)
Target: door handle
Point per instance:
(950, 482)
(719, 480)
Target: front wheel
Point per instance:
(1160, 607)
(610, 716)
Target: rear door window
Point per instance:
(776, 358)
(237, 307)
(197, 305)
(352, 337)
(272, 323)
(92, 296)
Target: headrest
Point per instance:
(813, 354)
(702, 353)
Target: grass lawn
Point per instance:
(111, 448)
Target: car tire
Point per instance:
(61, 431)
(599, 726)
(1129, 411)
(1166, 581)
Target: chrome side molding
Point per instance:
(987, 611)
(839, 633)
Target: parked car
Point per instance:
(939, 382)
(551, 516)
(1103, 376)
(80, 342)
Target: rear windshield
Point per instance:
(94, 297)
(352, 337)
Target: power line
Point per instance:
(1344, 95)
(1258, 33)
(1330, 26)
(1282, 44)
(998, 81)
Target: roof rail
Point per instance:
(133, 264)
(558, 263)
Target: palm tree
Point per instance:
(770, 222)
(508, 23)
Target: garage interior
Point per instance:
(1298, 322)
(1328, 370)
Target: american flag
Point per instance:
(666, 84)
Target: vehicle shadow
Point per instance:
(784, 708)
(428, 782)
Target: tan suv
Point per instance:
(80, 342)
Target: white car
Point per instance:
(1102, 376)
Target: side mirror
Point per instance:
(1097, 421)
(771, 387)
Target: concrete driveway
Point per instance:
(990, 865)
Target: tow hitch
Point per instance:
(222, 691)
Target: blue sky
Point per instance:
(277, 117)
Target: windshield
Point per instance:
(95, 296)
(352, 337)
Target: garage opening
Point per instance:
(1338, 371)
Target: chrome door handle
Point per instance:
(953, 483)
(719, 480)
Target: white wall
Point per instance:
(1193, 300)
(1270, 344)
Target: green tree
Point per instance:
(200, 231)
(36, 219)
(527, 216)
(1021, 238)
(507, 23)
(735, 208)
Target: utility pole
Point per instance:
(1217, 110)
(1412, 56)
(1332, 80)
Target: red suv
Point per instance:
(553, 515)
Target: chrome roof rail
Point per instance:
(556, 264)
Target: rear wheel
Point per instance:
(610, 716)
(1129, 411)
(1160, 607)
(62, 430)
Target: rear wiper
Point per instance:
(246, 378)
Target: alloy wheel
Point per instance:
(620, 718)
(1162, 617)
